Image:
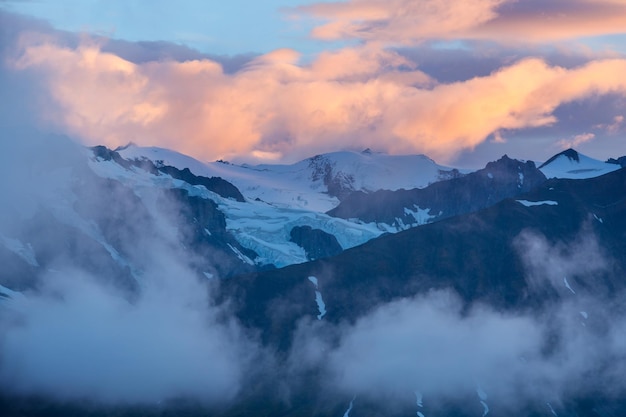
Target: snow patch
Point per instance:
(347, 413)
(537, 203)
(584, 314)
(321, 306)
(420, 404)
(419, 399)
(598, 218)
(552, 410)
(568, 286)
(482, 396)
(240, 255)
(7, 293)
(421, 216)
(24, 251)
(208, 275)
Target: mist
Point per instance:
(436, 346)
(129, 323)
(143, 327)
(76, 339)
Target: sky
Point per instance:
(280, 80)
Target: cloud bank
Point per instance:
(362, 96)
(122, 322)
(283, 106)
(435, 345)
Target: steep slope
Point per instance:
(554, 250)
(99, 224)
(572, 164)
(262, 228)
(478, 255)
(402, 209)
(315, 184)
(507, 310)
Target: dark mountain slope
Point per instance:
(216, 184)
(478, 255)
(498, 180)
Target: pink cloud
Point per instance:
(612, 128)
(400, 21)
(576, 140)
(277, 108)
(410, 21)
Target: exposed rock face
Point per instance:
(478, 255)
(316, 243)
(338, 183)
(216, 184)
(405, 208)
(571, 154)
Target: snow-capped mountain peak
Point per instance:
(317, 183)
(574, 165)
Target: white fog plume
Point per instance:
(560, 265)
(427, 343)
(434, 344)
(78, 339)
(96, 334)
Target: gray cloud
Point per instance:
(434, 345)
(578, 264)
(76, 338)
(87, 327)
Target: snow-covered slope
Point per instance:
(256, 225)
(313, 184)
(573, 165)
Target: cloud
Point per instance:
(280, 106)
(399, 21)
(140, 328)
(560, 266)
(576, 140)
(435, 344)
(363, 96)
(539, 21)
(75, 338)
(431, 345)
(612, 128)
(408, 21)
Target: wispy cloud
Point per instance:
(576, 140)
(408, 21)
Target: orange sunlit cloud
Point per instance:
(576, 140)
(277, 108)
(409, 21)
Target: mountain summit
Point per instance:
(571, 164)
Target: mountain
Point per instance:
(264, 229)
(562, 243)
(248, 233)
(571, 164)
(140, 281)
(475, 254)
(317, 183)
(402, 209)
